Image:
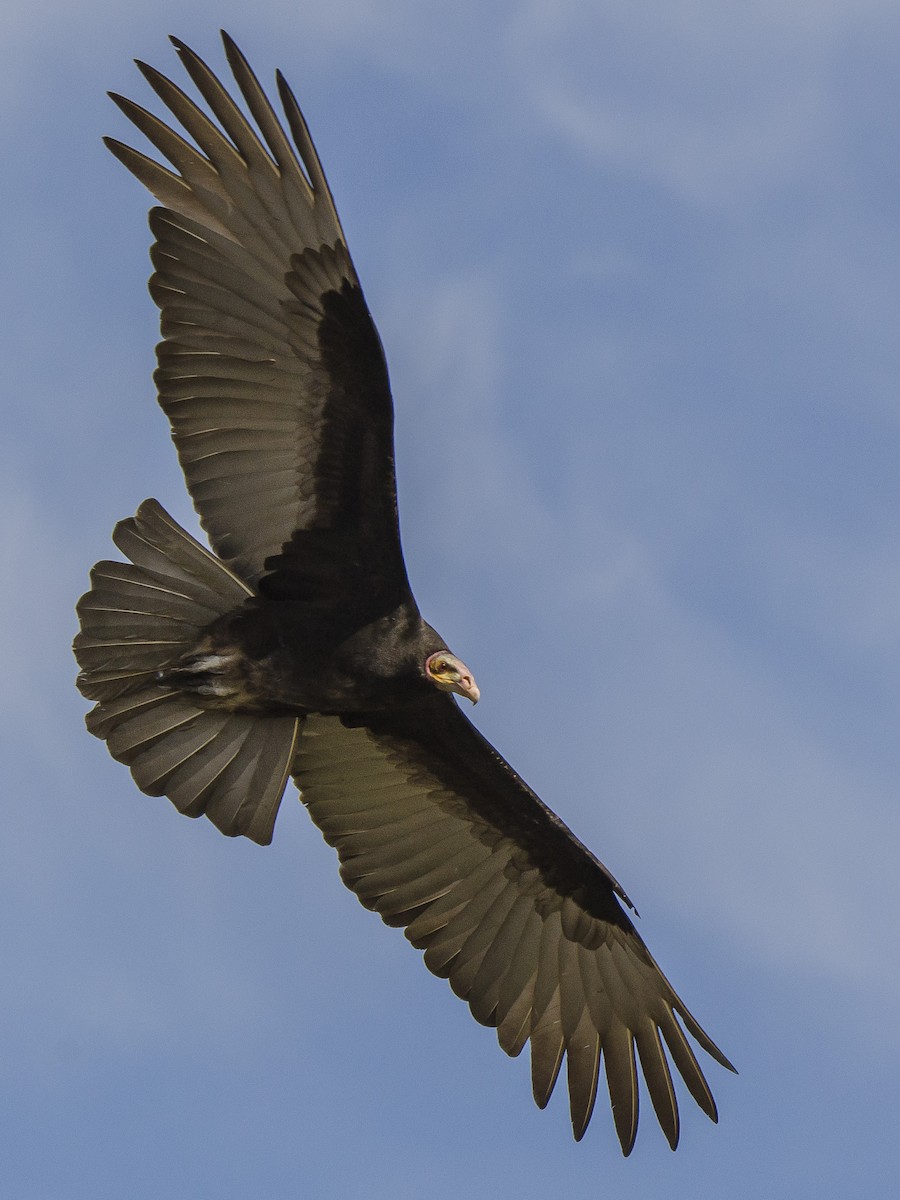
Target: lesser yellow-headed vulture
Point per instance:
(295, 647)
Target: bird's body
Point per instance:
(297, 647)
(271, 657)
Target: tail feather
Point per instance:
(152, 722)
(115, 590)
(158, 545)
(140, 617)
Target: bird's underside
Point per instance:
(296, 647)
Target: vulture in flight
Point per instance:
(296, 647)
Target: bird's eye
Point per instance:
(440, 667)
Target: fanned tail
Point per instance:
(139, 617)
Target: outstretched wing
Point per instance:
(270, 369)
(438, 834)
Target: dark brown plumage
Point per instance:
(297, 647)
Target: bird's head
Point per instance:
(450, 674)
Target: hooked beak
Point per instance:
(466, 686)
(450, 674)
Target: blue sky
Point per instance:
(637, 266)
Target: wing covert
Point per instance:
(436, 833)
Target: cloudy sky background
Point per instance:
(637, 271)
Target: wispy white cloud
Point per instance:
(719, 105)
